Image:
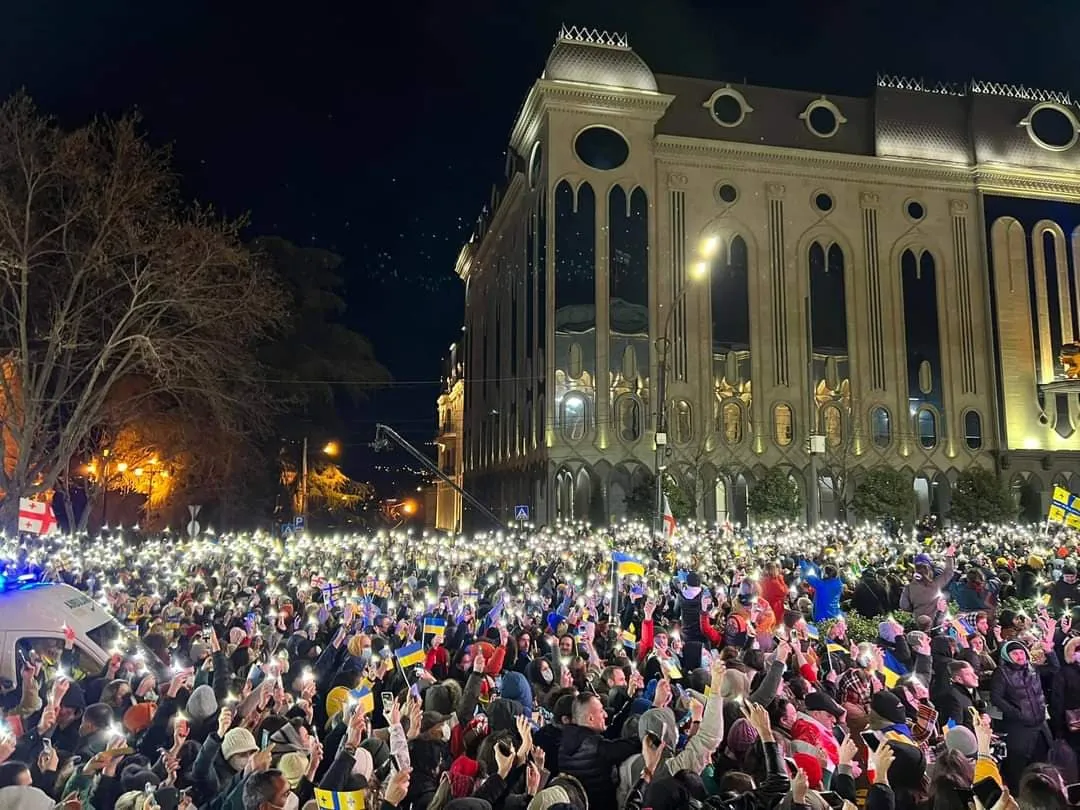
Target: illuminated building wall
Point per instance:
(854, 267)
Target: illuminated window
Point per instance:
(574, 417)
(833, 423)
(782, 425)
(926, 426)
(628, 417)
(973, 430)
(731, 422)
(880, 429)
(683, 426)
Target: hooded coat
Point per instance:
(922, 593)
(1017, 691)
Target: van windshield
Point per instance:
(112, 635)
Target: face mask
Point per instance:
(292, 802)
(547, 676)
(1076, 658)
(444, 733)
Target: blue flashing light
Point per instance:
(12, 580)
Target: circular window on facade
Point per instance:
(823, 118)
(727, 193)
(914, 210)
(727, 107)
(1052, 127)
(535, 160)
(601, 148)
(823, 202)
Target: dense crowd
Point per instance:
(771, 667)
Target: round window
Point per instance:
(915, 211)
(727, 193)
(1052, 128)
(601, 148)
(727, 110)
(823, 202)
(822, 121)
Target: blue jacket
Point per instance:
(826, 594)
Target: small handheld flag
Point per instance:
(365, 699)
(339, 799)
(434, 626)
(626, 565)
(410, 655)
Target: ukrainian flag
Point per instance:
(892, 669)
(410, 655)
(339, 800)
(434, 626)
(1064, 508)
(626, 565)
(629, 637)
(365, 699)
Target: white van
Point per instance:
(33, 616)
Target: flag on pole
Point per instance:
(410, 655)
(434, 626)
(627, 565)
(365, 699)
(669, 519)
(36, 517)
(629, 638)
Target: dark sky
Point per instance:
(376, 129)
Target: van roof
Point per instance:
(49, 606)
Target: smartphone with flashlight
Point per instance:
(387, 702)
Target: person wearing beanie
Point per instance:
(202, 704)
(962, 740)
(139, 717)
(688, 608)
(920, 596)
(1065, 592)
(219, 767)
(887, 713)
(1016, 689)
(294, 766)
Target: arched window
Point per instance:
(926, 426)
(628, 418)
(682, 423)
(973, 430)
(574, 417)
(731, 422)
(782, 425)
(880, 427)
(833, 423)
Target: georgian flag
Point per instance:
(36, 517)
(669, 519)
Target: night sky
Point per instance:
(377, 129)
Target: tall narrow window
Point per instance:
(973, 430)
(921, 333)
(782, 427)
(828, 308)
(731, 422)
(880, 428)
(926, 424)
(575, 272)
(575, 417)
(628, 418)
(682, 424)
(729, 286)
(833, 425)
(628, 275)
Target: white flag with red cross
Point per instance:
(669, 519)
(36, 517)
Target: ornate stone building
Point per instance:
(895, 275)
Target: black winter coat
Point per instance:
(591, 759)
(1064, 696)
(955, 703)
(1017, 691)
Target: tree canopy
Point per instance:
(106, 277)
(775, 497)
(884, 494)
(981, 497)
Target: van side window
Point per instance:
(50, 651)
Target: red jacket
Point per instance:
(775, 591)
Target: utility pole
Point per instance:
(661, 424)
(304, 482)
(815, 444)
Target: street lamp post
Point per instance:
(663, 344)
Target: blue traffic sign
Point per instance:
(298, 521)
(521, 512)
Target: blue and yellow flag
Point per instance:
(339, 799)
(410, 655)
(434, 626)
(1064, 508)
(364, 697)
(627, 565)
(629, 637)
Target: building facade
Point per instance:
(894, 276)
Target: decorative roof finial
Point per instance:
(593, 36)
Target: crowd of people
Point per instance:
(779, 666)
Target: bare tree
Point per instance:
(104, 278)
